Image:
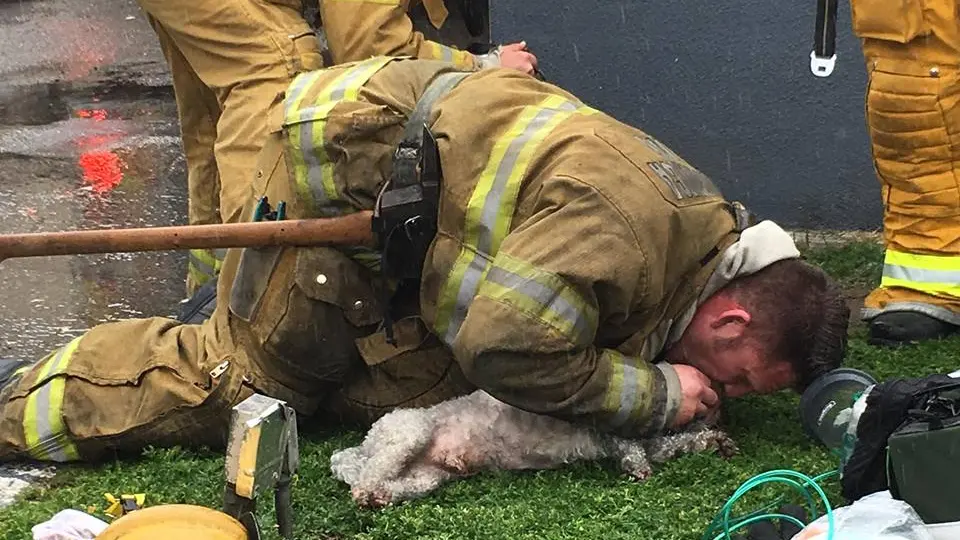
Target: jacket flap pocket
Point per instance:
(328, 275)
(410, 333)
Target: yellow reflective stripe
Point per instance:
(542, 295)
(296, 92)
(441, 52)
(204, 264)
(624, 399)
(307, 137)
(312, 167)
(925, 262)
(492, 204)
(199, 278)
(926, 273)
(205, 260)
(44, 431)
(381, 2)
(946, 289)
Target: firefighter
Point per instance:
(223, 83)
(229, 59)
(568, 264)
(912, 53)
(359, 29)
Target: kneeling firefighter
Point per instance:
(358, 29)
(561, 260)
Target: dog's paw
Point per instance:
(725, 446)
(372, 498)
(637, 469)
(640, 475)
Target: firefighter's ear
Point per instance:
(731, 323)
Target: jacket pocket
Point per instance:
(308, 307)
(397, 375)
(892, 20)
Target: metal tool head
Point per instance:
(262, 446)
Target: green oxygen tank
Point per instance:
(830, 409)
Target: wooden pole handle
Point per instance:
(351, 230)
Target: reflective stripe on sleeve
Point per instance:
(542, 295)
(491, 207)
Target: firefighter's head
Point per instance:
(780, 327)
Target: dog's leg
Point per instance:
(418, 481)
(346, 464)
(633, 458)
(393, 443)
(695, 438)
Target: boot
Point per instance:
(906, 327)
(9, 370)
(200, 306)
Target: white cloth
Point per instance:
(69, 525)
(759, 246)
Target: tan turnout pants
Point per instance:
(229, 59)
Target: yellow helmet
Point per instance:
(175, 521)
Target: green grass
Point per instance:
(584, 501)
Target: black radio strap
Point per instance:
(405, 214)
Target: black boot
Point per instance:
(199, 307)
(8, 370)
(905, 327)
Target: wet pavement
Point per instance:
(88, 139)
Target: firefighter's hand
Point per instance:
(767, 530)
(517, 56)
(697, 395)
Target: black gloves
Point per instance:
(768, 529)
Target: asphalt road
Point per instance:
(88, 139)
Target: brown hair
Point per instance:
(800, 316)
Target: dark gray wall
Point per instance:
(726, 84)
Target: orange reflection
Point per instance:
(102, 169)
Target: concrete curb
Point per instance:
(807, 238)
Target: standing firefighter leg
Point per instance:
(914, 124)
(245, 52)
(198, 112)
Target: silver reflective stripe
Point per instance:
(294, 92)
(49, 441)
(201, 265)
(356, 74)
(312, 163)
(447, 53)
(628, 394)
(488, 216)
(546, 297)
(354, 77)
(494, 200)
(921, 275)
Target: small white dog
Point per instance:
(410, 452)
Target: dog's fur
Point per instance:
(410, 452)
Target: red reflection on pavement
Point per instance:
(96, 114)
(102, 169)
